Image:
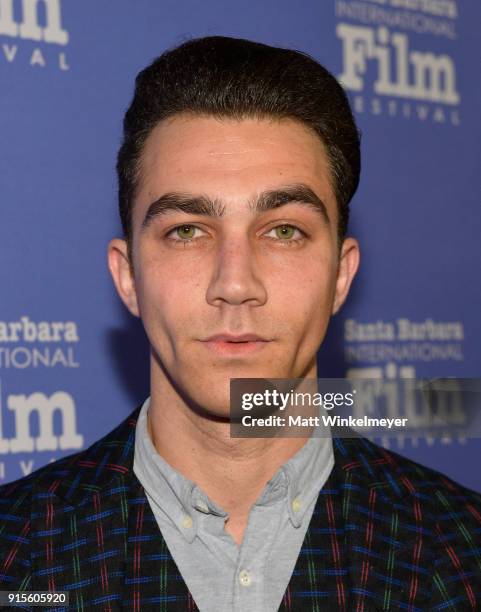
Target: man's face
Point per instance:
(236, 270)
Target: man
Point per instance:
(235, 175)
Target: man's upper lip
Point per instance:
(233, 338)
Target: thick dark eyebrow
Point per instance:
(265, 201)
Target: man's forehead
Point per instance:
(231, 158)
(206, 140)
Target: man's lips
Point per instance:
(229, 344)
(236, 338)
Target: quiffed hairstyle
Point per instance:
(236, 78)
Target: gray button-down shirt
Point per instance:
(221, 576)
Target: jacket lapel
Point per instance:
(152, 579)
(364, 548)
(320, 577)
(96, 536)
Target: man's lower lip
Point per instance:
(235, 348)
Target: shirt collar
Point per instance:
(298, 481)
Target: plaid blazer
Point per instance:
(386, 534)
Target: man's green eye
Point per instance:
(284, 231)
(186, 231)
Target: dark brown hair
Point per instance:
(236, 78)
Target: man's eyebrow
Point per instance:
(177, 201)
(289, 194)
(265, 201)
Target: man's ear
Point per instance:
(348, 265)
(120, 269)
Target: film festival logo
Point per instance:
(386, 72)
(31, 33)
(389, 351)
(36, 422)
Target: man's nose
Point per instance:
(235, 276)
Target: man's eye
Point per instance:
(184, 232)
(286, 232)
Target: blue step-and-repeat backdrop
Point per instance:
(73, 363)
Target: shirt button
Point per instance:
(187, 522)
(202, 507)
(296, 504)
(244, 578)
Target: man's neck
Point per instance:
(231, 471)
